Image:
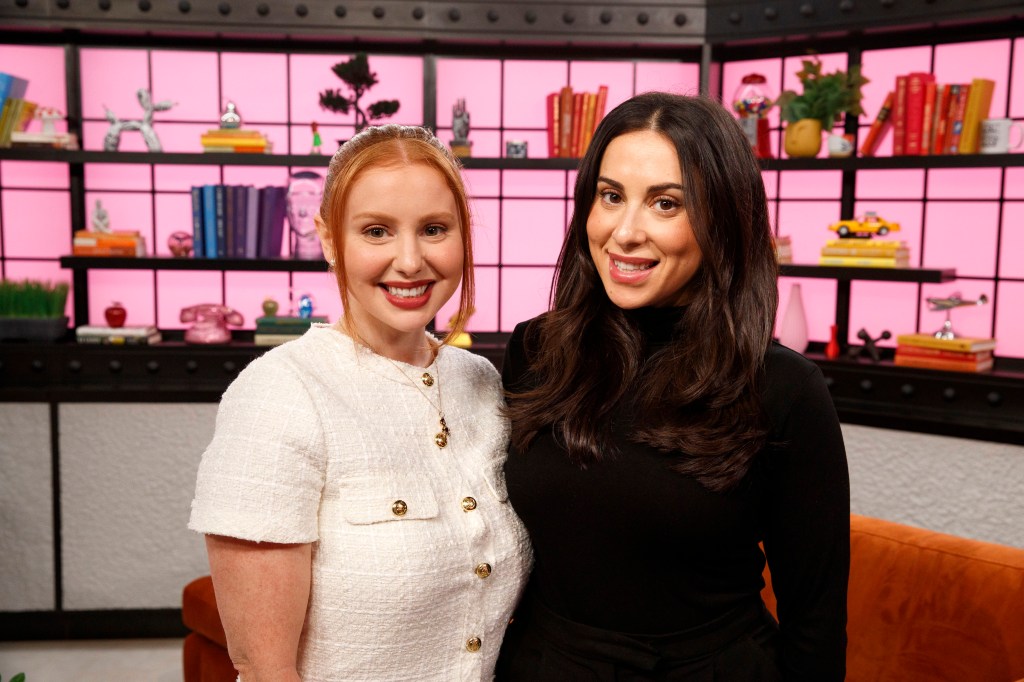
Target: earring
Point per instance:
(332, 262)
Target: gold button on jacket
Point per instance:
(473, 644)
(399, 508)
(468, 504)
(483, 570)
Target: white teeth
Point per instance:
(632, 267)
(405, 292)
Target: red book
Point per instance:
(962, 356)
(899, 117)
(577, 124)
(882, 123)
(956, 124)
(553, 125)
(981, 365)
(928, 131)
(941, 119)
(565, 116)
(913, 125)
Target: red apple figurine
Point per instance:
(115, 315)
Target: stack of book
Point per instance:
(961, 354)
(865, 253)
(37, 140)
(235, 140)
(238, 221)
(928, 118)
(120, 336)
(572, 118)
(273, 330)
(783, 248)
(117, 243)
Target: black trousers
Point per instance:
(542, 646)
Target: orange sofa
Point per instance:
(923, 607)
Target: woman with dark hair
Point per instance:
(663, 446)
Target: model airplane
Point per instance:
(952, 301)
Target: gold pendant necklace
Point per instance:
(442, 436)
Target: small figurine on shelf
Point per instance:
(270, 307)
(870, 345)
(100, 220)
(230, 119)
(306, 306)
(953, 301)
(144, 125)
(180, 244)
(48, 116)
(752, 102)
(317, 141)
(303, 202)
(461, 145)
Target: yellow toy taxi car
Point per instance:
(868, 224)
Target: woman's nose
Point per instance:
(629, 230)
(409, 258)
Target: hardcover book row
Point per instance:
(238, 221)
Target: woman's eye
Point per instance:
(666, 204)
(611, 197)
(375, 232)
(435, 230)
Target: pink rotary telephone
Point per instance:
(211, 323)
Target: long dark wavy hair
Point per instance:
(699, 397)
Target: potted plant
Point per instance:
(356, 74)
(32, 310)
(825, 96)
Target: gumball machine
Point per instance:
(752, 102)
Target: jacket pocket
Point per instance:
(368, 500)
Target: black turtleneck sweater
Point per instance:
(627, 544)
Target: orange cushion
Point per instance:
(928, 607)
(205, 661)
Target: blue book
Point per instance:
(229, 221)
(210, 221)
(241, 204)
(197, 222)
(11, 87)
(219, 214)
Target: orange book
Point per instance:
(962, 356)
(553, 125)
(903, 360)
(979, 102)
(941, 119)
(899, 117)
(913, 125)
(881, 124)
(928, 123)
(577, 122)
(602, 102)
(565, 118)
(587, 131)
(956, 125)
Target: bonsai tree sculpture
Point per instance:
(825, 96)
(357, 76)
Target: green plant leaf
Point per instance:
(333, 100)
(20, 677)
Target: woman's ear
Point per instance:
(326, 242)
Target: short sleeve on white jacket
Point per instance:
(261, 477)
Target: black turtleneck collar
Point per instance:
(658, 325)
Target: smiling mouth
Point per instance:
(406, 292)
(632, 267)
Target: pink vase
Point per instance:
(793, 327)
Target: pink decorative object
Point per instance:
(793, 329)
(211, 323)
(180, 244)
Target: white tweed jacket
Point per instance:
(418, 558)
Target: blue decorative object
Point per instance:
(306, 306)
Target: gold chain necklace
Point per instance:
(441, 437)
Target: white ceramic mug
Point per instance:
(995, 135)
